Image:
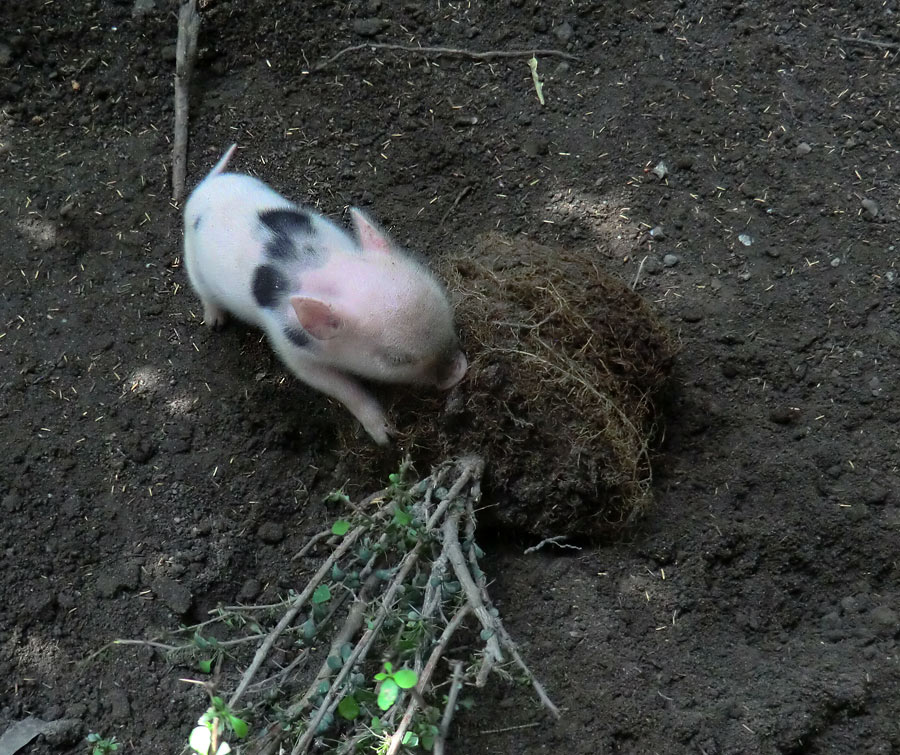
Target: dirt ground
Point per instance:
(150, 469)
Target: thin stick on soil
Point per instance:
(185, 54)
(448, 51)
(425, 678)
(455, 687)
(298, 604)
(872, 43)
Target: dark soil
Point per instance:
(150, 469)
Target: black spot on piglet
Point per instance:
(268, 284)
(285, 222)
(297, 337)
(197, 221)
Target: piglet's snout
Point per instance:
(449, 373)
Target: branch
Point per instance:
(447, 51)
(185, 53)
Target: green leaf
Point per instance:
(380, 677)
(205, 666)
(388, 694)
(322, 594)
(395, 478)
(334, 663)
(406, 678)
(348, 708)
(427, 742)
(376, 725)
(238, 726)
(340, 527)
(346, 651)
(309, 629)
(388, 666)
(411, 739)
(402, 517)
(200, 740)
(486, 634)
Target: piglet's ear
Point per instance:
(316, 317)
(369, 235)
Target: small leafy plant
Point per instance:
(102, 745)
(207, 736)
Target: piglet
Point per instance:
(334, 307)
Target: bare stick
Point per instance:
(872, 42)
(425, 678)
(359, 653)
(456, 201)
(558, 541)
(317, 538)
(470, 589)
(295, 608)
(538, 687)
(448, 51)
(185, 53)
(455, 687)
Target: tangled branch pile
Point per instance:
(401, 580)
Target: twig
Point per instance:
(359, 653)
(470, 589)
(425, 678)
(295, 608)
(872, 42)
(557, 541)
(450, 51)
(449, 709)
(185, 53)
(317, 538)
(456, 201)
(531, 725)
(513, 650)
(637, 275)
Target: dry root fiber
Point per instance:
(565, 363)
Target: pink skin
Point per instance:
(370, 310)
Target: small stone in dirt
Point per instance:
(746, 239)
(836, 262)
(119, 577)
(176, 597)
(870, 207)
(885, 619)
(670, 260)
(562, 69)
(11, 502)
(652, 265)
(249, 591)
(657, 232)
(730, 370)
(692, 315)
(119, 704)
(368, 27)
(782, 416)
(773, 253)
(660, 170)
(803, 148)
(535, 146)
(563, 32)
(745, 276)
(271, 532)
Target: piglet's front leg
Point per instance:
(351, 394)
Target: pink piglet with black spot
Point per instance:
(335, 308)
